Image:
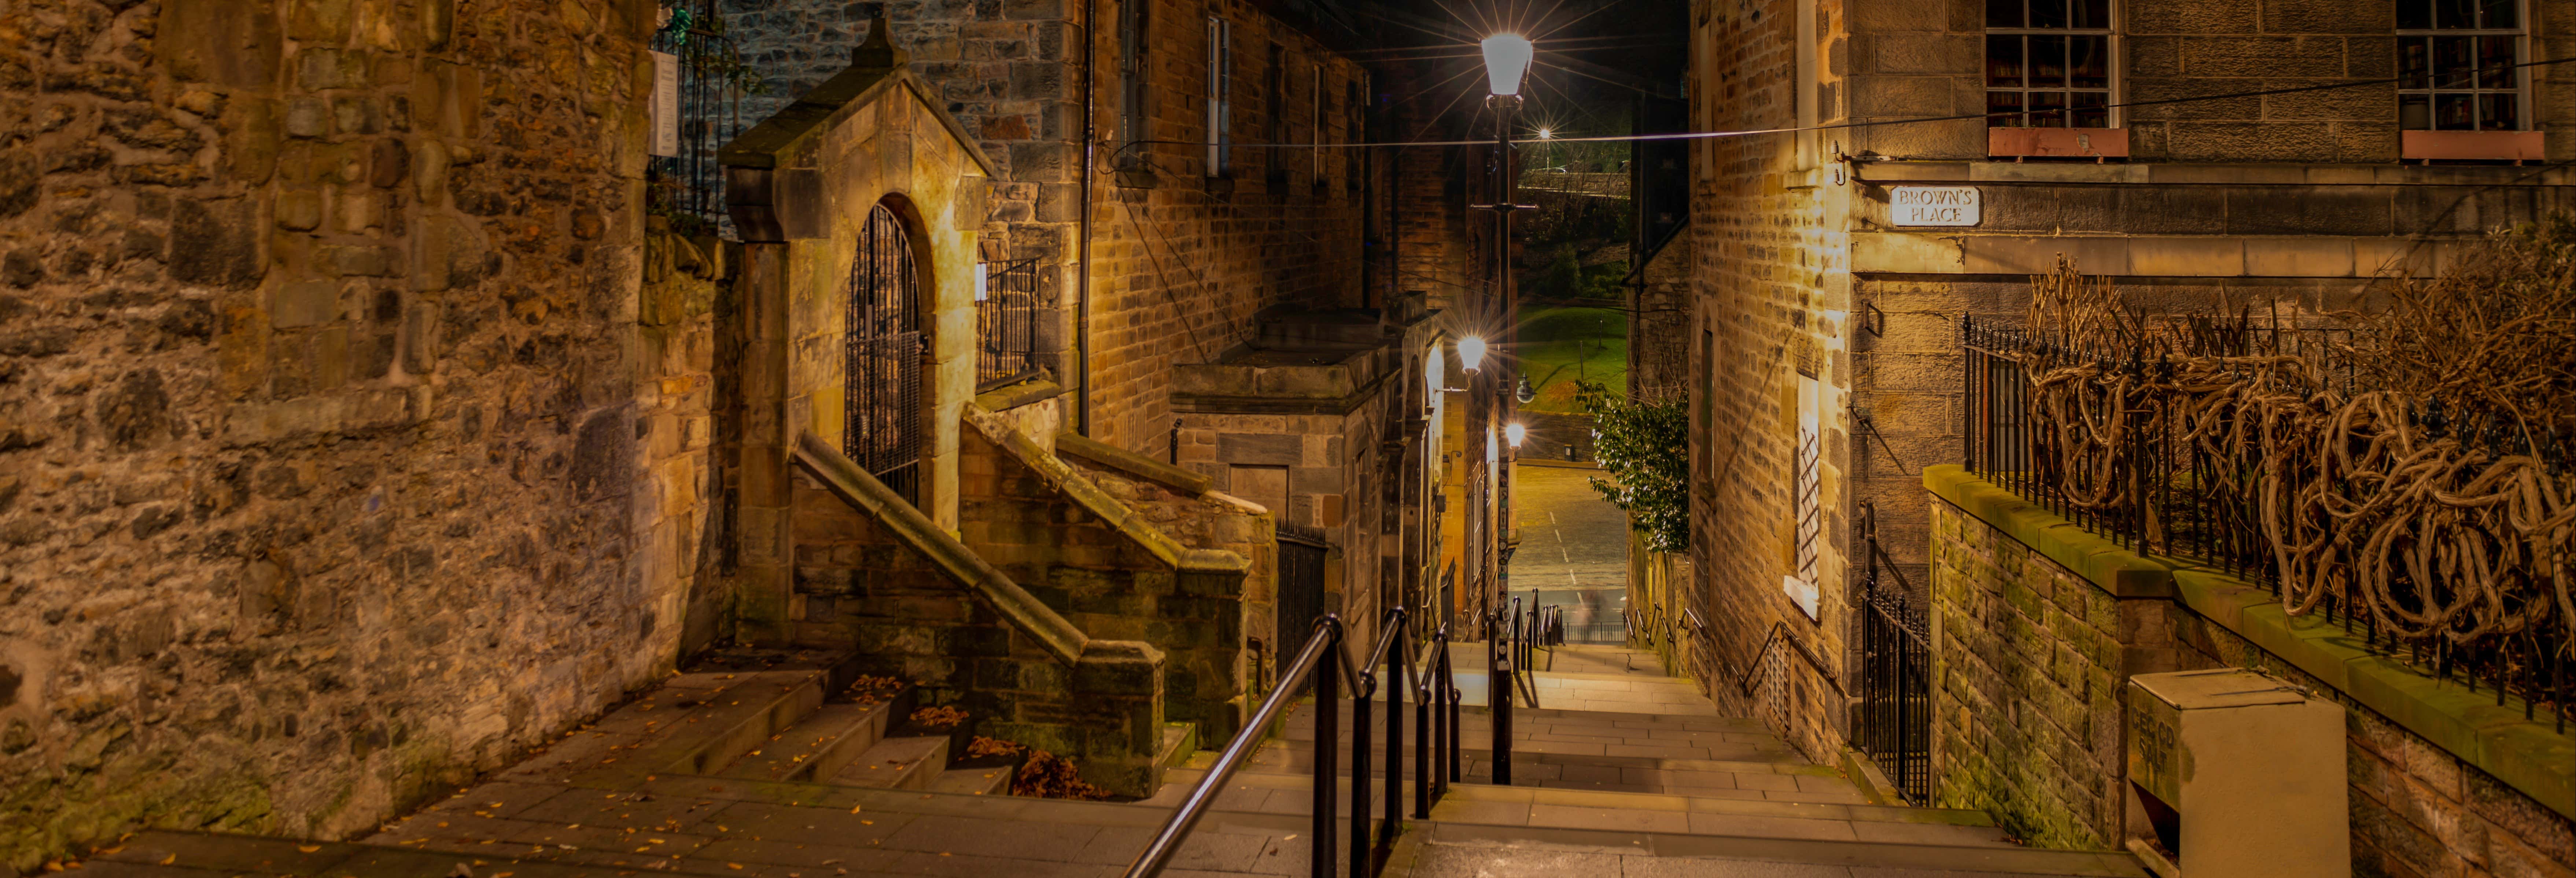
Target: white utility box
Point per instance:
(2236, 774)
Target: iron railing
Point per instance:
(2185, 499)
(1891, 717)
(1006, 326)
(1328, 665)
(688, 188)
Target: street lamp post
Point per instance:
(1491, 404)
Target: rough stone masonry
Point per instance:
(317, 404)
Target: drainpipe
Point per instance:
(1082, 252)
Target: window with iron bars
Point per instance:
(2458, 63)
(687, 187)
(1132, 64)
(1007, 316)
(1220, 96)
(2050, 63)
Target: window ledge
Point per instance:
(2519, 146)
(2058, 143)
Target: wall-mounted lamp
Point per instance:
(1515, 433)
(1471, 352)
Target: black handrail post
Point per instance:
(1426, 738)
(1328, 724)
(1361, 698)
(1451, 701)
(1396, 683)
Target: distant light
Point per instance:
(1507, 58)
(1471, 352)
(1544, 134)
(1515, 433)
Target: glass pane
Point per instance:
(2499, 112)
(2090, 61)
(2414, 14)
(2452, 112)
(2048, 13)
(2499, 15)
(2453, 13)
(2047, 62)
(2495, 62)
(2047, 100)
(2006, 107)
(2414, 62)
(2089, 109)
(2093, 13)
(2415, 112)
(2003, 61)
(2451, 63)
(2004, 13)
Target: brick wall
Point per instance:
(2029, 662)
(318, 420)
(1769, 289)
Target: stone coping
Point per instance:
(2528, 755)
(1133, 464)
(1053, 632)
(1014, 396)
(1062, 477)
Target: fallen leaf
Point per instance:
(854, 809)
(733, 865)
(173, 858)
(308, 848)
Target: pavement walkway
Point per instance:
(1574, 549)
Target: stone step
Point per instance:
(1452, 850)
(694, 723)
(1704, 815)
(819, 746)
(897, 764)
(987, 780)
(1180, 740)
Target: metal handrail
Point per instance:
(1780, 634)
(1403, 672)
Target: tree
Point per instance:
(1645, 446)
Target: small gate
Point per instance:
(1301, 582)
(1892, 716)
(882, 357)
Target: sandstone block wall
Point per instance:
(1213, 520)
(319, 425)
(1097, 575)
(1770, 301)
(2029, 658)
(858, 587)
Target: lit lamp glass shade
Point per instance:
(1471, 352)
(1507, 59)
(1514, 434)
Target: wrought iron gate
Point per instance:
(883, 353)
(1892, 716)
(1301, 581)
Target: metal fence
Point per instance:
(1006, 326)
(688, 188)
(2158, 491)
(1891, 717)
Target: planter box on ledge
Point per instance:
(2058, 143)
(2519, 146)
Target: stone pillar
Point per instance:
(1118, 693)
(765, 548)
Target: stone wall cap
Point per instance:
(769, 143)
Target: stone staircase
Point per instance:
(769, 771)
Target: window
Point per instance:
(1220, 95)
(1274, 87)
(2457, 62)
(1131, 84)
(2049, 63)
(1315, 135)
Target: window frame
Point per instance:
(1220, 96)
(1135, 54)
(2117, 73)
(2520, 34)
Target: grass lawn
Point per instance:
(1560, 345)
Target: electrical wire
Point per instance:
(1839, 126)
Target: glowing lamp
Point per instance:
(1507, 59)
(1515, 433)
(1471, 352)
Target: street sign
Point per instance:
(1933, 205)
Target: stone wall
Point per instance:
(1770, 299)
(2030, 657)
(1104, 577)
(319, 419)
(1210, 520)
(860, 587)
